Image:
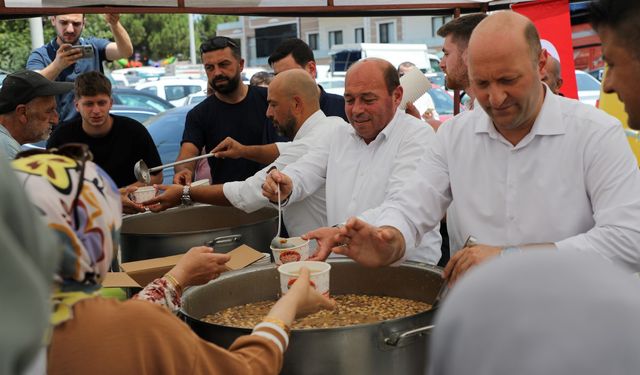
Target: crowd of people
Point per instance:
(546, 185)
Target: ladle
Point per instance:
(277, 241)
(143, 173)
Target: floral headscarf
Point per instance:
(89, 229)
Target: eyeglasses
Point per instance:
(77, 151)
(216, 43)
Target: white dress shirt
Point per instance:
(572, 180)
(359, 176)
(302, 216)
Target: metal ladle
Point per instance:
(277, 241)
(143, 173)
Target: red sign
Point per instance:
(553, 22)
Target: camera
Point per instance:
(87, 50)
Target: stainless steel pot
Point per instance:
(398, 346)
(152, 235)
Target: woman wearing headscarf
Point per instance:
(100, 335)
(542, 312)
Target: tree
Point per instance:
(155, 36)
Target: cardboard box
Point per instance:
(140, 273)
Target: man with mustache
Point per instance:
(360, 163)
(234, 110)
(27, 109)
(57, 61)
(294, 108)
(116, 142)
(527, 170)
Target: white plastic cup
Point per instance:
(144, 193)
(298, 251)
(319, 275)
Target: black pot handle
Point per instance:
(224, 240)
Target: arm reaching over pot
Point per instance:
(197, 266)
(369, 245)
(301, 300)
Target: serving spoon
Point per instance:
(277, 241)
(143, 173)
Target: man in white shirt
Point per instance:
(294, 109)
(526, 167)
(365, 161)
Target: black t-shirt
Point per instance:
(332, 104)
(211, 121)
(118, 151)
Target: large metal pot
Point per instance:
(153, 235)
(388, 347)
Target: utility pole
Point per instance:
(37, 36)
(192, 40)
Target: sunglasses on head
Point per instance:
(217, 43)
(77, 151)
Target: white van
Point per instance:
(343, 55)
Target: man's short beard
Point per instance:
(231, 86)
(287, 129)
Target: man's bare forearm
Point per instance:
(263, 154)
(210, 194)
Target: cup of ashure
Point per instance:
(292, 249)
(319, 275)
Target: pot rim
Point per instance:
(172, 234)
(226, 275)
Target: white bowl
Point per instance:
(144, 193)
(298, 251)
(290, 272)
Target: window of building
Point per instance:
(386, 32)
(268, 38)
(437, 22)
(359, 36)
(312, 40)
(335, 37)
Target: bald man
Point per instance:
(363, 162)
(551, 74)
(527, 169)
(294, 109)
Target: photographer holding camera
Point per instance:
(69, 55)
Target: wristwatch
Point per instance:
(186, 195)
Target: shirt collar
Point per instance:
(309, 123)
(384, 134)
(548, 122)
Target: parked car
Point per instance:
(443, 102)
(333, 85)
(597, 73)
(195, 98)
(140, 114)
(166, 129)
(140, 99)
(588, 88)
(175, 90)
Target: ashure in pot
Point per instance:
(398, 346)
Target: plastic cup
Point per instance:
(144, 193)
(290, 272)
(298, 251)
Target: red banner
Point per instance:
(553, 22)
